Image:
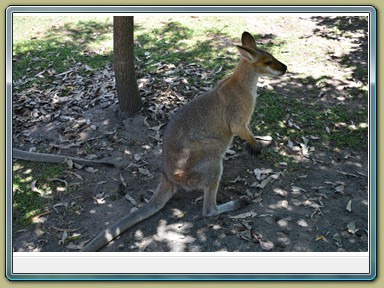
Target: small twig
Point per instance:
(59, 180)
(63, 229)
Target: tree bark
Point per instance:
(124, 66)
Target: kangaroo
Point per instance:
(198, 136)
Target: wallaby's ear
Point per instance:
(247, 40)
(248, 54)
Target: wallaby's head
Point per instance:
(264, 63)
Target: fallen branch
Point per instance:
(52, 158)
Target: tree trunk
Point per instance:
(124, 66)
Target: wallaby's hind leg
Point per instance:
(210, 208)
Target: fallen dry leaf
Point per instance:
(347, 174)
(198, 199)
(250, 214)
(91, 169)
(352, 227)
(296, 189)
(246, 235)
(266, 245)
(257, 173)
(349, 206)
(238, 178)
(69, 163)
(339, 189)
(63, 237)
(269, 179)
(136, 156)
(60, 204)
(34, 188)
(122, 180)
(145, 171)
(35, 218)
(131, 199)
(78, 166)
(80, 246)
(320, 238)
(75, 174)
(337, 239)
(264, 138)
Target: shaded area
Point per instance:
(61, 48)
(341, 27)
(176, 44)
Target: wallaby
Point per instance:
(198, 136)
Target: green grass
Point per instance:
(26, 202)
(175, 42)
(57, 48)
(346, 127)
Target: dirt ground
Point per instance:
(321, 205)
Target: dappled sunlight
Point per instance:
(201, 235)
(177, 213)
(282, 204)
(303, 223)
(279, 191)
(283, 223)
(173, 230)
(283, 240)
(174, 235)
(27, 178)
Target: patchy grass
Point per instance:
(32, 190)
(53, 47)
(208, 42)
(332, 127)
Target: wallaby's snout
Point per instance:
(275, 69)
(278, 69)
(283, 69)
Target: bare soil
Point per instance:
(319, 205)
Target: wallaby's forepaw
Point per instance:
(254, 151)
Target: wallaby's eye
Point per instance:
(268, 62)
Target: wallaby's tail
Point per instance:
(162, 195)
